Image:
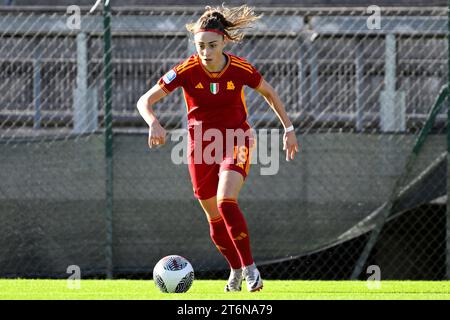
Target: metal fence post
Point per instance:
(448, 143)
(108, 136)
(37, 78)
(359, 73)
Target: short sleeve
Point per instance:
(253, 79)
(170, 81)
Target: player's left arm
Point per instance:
(290, 143)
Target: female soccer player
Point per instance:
(213, 86)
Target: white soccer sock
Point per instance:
(236, 271)
(250, 268)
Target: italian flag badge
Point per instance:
(214, 87)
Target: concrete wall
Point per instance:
(52, 201)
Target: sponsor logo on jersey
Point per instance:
(199, 86)
(214, 87)
(169, 76)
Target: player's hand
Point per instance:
(290, 144)
(156, 134)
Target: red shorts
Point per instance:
(212, 150)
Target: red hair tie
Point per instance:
(211, 30)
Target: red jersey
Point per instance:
(214, 99)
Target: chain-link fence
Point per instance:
(360, 87)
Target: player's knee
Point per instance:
(225, 200)
(210, 208)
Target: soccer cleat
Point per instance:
(253, 278)
(234, 283)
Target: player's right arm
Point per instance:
(173, 79)
(156, 134)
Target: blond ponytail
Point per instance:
(228, 21)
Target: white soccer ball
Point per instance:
(173, 274)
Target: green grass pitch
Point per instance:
(213, 290)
